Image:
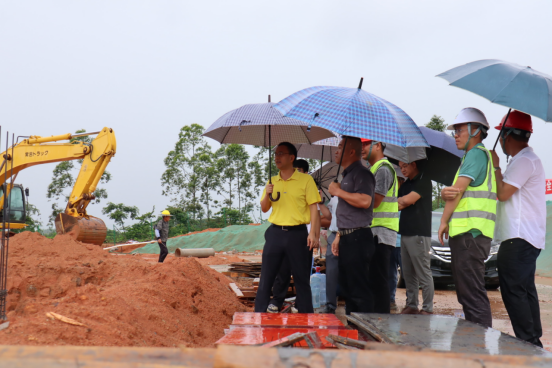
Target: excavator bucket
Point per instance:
(91, 230)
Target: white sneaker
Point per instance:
(272, 309)
(294, 310)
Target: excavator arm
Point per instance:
(96, 155)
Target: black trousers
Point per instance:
(164, 251)
(290, 245)
(281, 285)
(379, 277)
(517, 261)
(355, 253)
(468, 257)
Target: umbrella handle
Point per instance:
(270, 164)
(501, 129)
(342, 152)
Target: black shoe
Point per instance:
(327, 310)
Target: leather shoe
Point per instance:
(426, 312)
(408, 310)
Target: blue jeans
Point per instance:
(395, 262)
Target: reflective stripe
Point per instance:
(474, 214)
(390, 199)
(386, 215)
(479, 194)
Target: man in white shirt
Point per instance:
(520, 226)
(332, 265)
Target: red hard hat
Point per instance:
(365, 140)
(517, 120)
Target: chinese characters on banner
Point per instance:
(548, 186)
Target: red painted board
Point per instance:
(257, 336)
(287, 319)
(286, 326)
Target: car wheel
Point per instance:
(400, 280)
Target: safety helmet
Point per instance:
(517, 120)
(470, 115)
(165, 213)
(363, 140)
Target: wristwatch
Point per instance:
(497, 168)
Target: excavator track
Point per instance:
(91, 230)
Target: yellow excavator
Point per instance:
(35, 150)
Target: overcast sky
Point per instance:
(146, 68)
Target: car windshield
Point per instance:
(435, 222)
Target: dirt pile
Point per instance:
(123, 301)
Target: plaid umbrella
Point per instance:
(323, 150)
(250, 125)
(353, 112)
(262, 125)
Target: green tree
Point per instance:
(437, 123)
(232, 164)
(181, 180)
(63, 179)
(209, 181)
(33, 216)
(120, 212)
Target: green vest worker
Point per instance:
(470, 214)
(385, 224)
(287, 239)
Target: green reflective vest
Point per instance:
(477, 208)
(387, 214)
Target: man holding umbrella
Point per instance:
(470, 214)
(354, 243)
(521, 225)
(385, 224)
(287, 238)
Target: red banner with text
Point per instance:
(548, 186)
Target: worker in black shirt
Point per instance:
(415, 200)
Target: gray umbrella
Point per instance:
(261, 125)
(439, 162)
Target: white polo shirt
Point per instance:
(524, 214)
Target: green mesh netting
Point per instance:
(243, 238)
(544, 262)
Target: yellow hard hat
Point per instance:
(165, 213)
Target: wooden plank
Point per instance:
(346, 341)
(236, 290)
(313, 340)
(228, 356)
(285, 341)
(369, 329)
(97, 356)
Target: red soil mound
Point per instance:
(123, 301)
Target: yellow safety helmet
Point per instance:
(165, 213)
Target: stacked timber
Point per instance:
(245, 269)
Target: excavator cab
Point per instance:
(17, 206)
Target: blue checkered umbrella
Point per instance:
(353, 112)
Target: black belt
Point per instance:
(290, 228)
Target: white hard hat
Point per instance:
(469, 115)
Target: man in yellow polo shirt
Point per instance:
(287, 238)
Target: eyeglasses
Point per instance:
(278, 154)
(456, 132)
